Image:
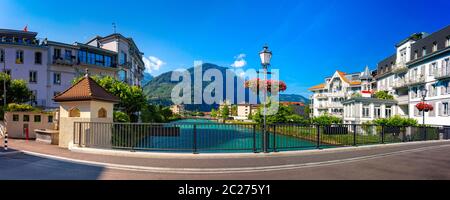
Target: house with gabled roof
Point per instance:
(328, 96)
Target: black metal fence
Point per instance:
(212, 137)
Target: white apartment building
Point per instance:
(49, 67)
(421, 62)
(23, 57)
(329, 96)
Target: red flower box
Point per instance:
(422, 106)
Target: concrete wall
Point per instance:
(16, 128)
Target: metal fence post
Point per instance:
(79, 138)
(425, 133)
(354, 134)
(194, 147)
(318, 136)
(404, 134)
(274, 138)
(382, 134)
(254, 139)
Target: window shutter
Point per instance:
(430, 69)
(422, 70)
(441, 109)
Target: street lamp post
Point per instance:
(424, 95)
(265, 56)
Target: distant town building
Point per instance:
(177, 109)
(49, 67)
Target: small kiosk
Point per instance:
(85, 101)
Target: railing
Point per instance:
(442, 73)
(400, 68)
(416, 80)
(212, 137)
(401, 83)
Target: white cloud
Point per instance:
(239, 61)
(152, 63)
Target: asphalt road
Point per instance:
(419, 163)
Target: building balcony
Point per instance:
(416, 80)
(442, 74)
(403, 99)
(400, 68)
(126, 65)
(62, 61)
(321, 96)
(401, 83)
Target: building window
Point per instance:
(82, 56)
(15, 118)
(33, 77)
(435, 47)
(33, 96)
(366, 111)
(122, 58)
(424, 51)
(50, 119)
(447, 42)
(444, 109)
(102, 113)
(108, 62)
(388, 111)
(68, 55)
(37, 118)
(377, 112)
(26, 118)
(57, 78)
(38, 58)
(19, 57)
(2, 55)
(91, 58)
(57, 54)
(74, 112)
(416, 54)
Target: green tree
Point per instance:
(213, 113)
(383, 95)
(225, 112)
(16, 90)
(132, 98)
(234, 110)
(157, 114)
(285, 114)
(326, 120)
(121, 117)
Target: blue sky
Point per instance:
(309, 39)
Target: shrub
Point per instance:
(395, 121)
(383, 95)
(13, 107)
(121, 117)
(326, 120)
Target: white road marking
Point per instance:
(229, 170)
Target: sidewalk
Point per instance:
(190, 161)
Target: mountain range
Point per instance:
(159, 88)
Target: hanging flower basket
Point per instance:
(422, 106)
(270, 86)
